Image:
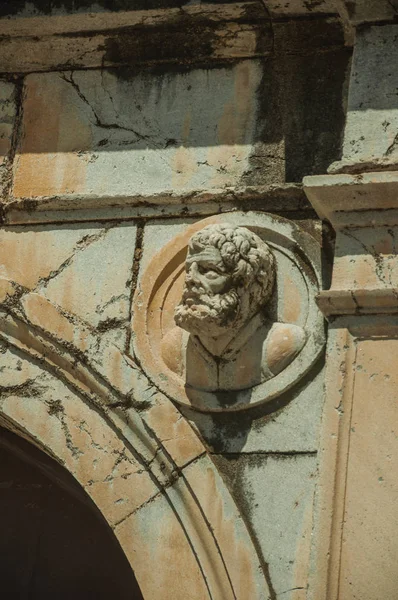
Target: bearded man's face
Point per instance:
(210, 303)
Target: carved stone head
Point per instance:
(230, 275)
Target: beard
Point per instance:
(200, 313)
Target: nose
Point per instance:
(192, 275)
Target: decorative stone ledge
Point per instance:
(362, 200)
(288, 197)
(363, 302)
(369, 11)
(363, 210)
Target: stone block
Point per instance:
(147, 134)
(95, 284)
(154, 530)
(85, 270)
(370, 137)
(371, 11)
(368, 534)
(276, 493)
(183, 135)
(45, 249)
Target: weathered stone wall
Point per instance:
(119, 127)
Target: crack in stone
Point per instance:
(135, 270)
(57, 410)
(270, 454)
(291, 590)
(393, 144)
(133, 512)
(82, 244)
(393, 5)
(115, 126)
(98, 121)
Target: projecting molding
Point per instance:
(363, 209)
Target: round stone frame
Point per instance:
(166, 269)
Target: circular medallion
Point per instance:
(222, 350)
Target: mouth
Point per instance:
(191, 297)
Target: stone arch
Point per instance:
(54, 542)
(157, 488)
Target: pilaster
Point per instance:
(356, 535)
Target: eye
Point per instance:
(212, 275)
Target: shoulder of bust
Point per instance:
(283, 343)
(171, 350)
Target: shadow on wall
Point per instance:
(255, 122)
(54, 543)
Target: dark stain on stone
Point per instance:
(226, 433)
(13, 7)
(28, 389)
(161, 45)
(184, 39)
(300, 115)
(55, 407)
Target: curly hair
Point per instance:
(245, 255)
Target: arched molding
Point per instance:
(182, 532)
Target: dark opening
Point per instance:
(54, 543)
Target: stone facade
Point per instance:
(153, 155)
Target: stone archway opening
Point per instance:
(54, 542)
